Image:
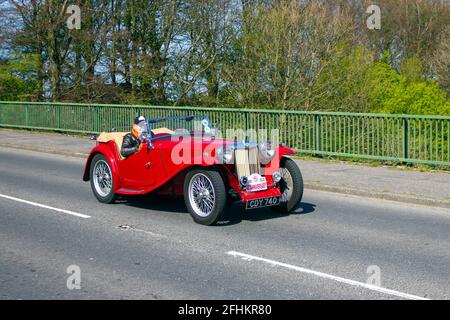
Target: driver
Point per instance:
(132, 141)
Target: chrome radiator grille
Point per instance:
(247, 161)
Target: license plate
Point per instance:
(263, 202)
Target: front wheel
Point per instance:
(205, 195)
(291, 186)
(101, 177)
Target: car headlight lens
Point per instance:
(224, 155)
(266, 152)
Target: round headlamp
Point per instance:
(266, 152)
(224, 155)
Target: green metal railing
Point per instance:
(404, 138)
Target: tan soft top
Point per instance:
(116, 136)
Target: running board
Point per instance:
(130, 191)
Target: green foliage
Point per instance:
(18, 78)
(352, 81)
(342, 84)
(391, 92)
(290, 54)
(412, 69)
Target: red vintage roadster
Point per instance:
(185, 156)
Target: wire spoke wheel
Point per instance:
(291, 188)
(201, 195)
(102, 178)
(287, 194)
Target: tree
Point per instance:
(391, 92)
(18, 78)
(280, 54)
(283, 51)
(440, 61)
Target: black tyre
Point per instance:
(292, 186)
(102, 182)
(205, 195)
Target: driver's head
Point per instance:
(136, 131)
(139, 128)
(139, 119)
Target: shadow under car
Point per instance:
(234, 212)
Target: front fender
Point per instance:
(107, 150)
(274, 165)
(284, 151)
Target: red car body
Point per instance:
(192, 160)
(152, 169)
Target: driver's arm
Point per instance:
(129, 145)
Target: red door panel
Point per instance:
(138, 169)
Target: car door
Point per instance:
(138, 169)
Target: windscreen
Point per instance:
(179, 125)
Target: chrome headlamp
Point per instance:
(266, 153)
(225, 155)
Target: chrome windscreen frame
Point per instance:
(185, 118)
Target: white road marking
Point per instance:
(248, 257)
(80, 215)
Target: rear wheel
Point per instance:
(102, 182)
(205, 195)
(292, 186)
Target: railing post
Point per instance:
(247, 121)
(96, 120)
(405, 141)
(317, 135)
(58, 112)
(26, 115)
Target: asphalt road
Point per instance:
(147, 248)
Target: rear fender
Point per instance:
(109, 151)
